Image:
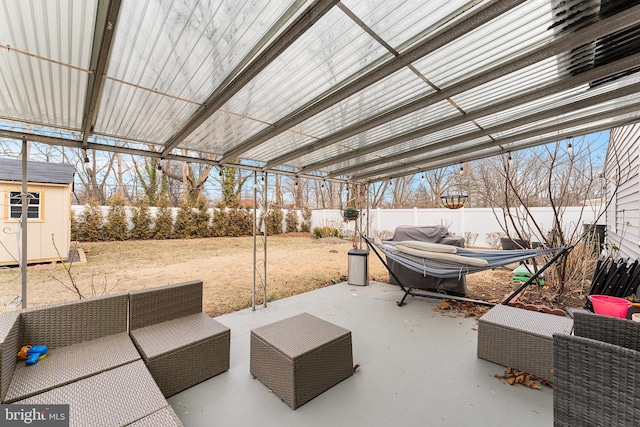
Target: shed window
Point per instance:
(15, 205)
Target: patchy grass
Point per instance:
(296, 263)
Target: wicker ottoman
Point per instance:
(300, 357)
(520, 339)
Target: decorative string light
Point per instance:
(296, 183)
(86, 157)
(422, 179)
(570, 149)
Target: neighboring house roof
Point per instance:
(46, 173)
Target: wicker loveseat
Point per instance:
(92, 364)
(597, 373)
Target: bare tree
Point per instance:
(557, 175)
(193, 176)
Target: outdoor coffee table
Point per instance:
(300, 357)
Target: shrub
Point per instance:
(163, 225)
(185, 226)
(319, 232)
(201, 218)
(219, 222)
(274, 221)
(240, 222)
(74, 226)
(116, 227)
(291, 219)
(232, 222)
(305, 226)
(141, 220)
(90, 228)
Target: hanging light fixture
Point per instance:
(570, 149)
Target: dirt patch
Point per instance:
(296, 263)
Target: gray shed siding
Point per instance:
(623, 215)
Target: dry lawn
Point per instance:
(296, 263)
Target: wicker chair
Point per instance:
(597, 373)
(180, 344)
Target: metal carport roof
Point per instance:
(348, 90)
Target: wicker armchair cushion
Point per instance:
(116, 397)
(68, 364)
(157, 340)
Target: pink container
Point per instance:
(610, 306)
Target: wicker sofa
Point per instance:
(91, 359)
(597, 373)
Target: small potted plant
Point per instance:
(350, 214)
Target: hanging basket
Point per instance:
(350, 214)
(454, 201)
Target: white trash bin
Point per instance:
(358, 273)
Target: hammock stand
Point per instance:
(562, 252)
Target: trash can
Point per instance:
(358, 271)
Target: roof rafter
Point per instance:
(65, 142)
(313, 13)
(475, 19)
(106, 21)
(508, 140)
(502, 105)
(564, 43)
(497, 151)
(545, 114)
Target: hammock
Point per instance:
(448, 266)
(440, 264)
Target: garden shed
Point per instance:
(49, 212)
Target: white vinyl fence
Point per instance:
(478, 225)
